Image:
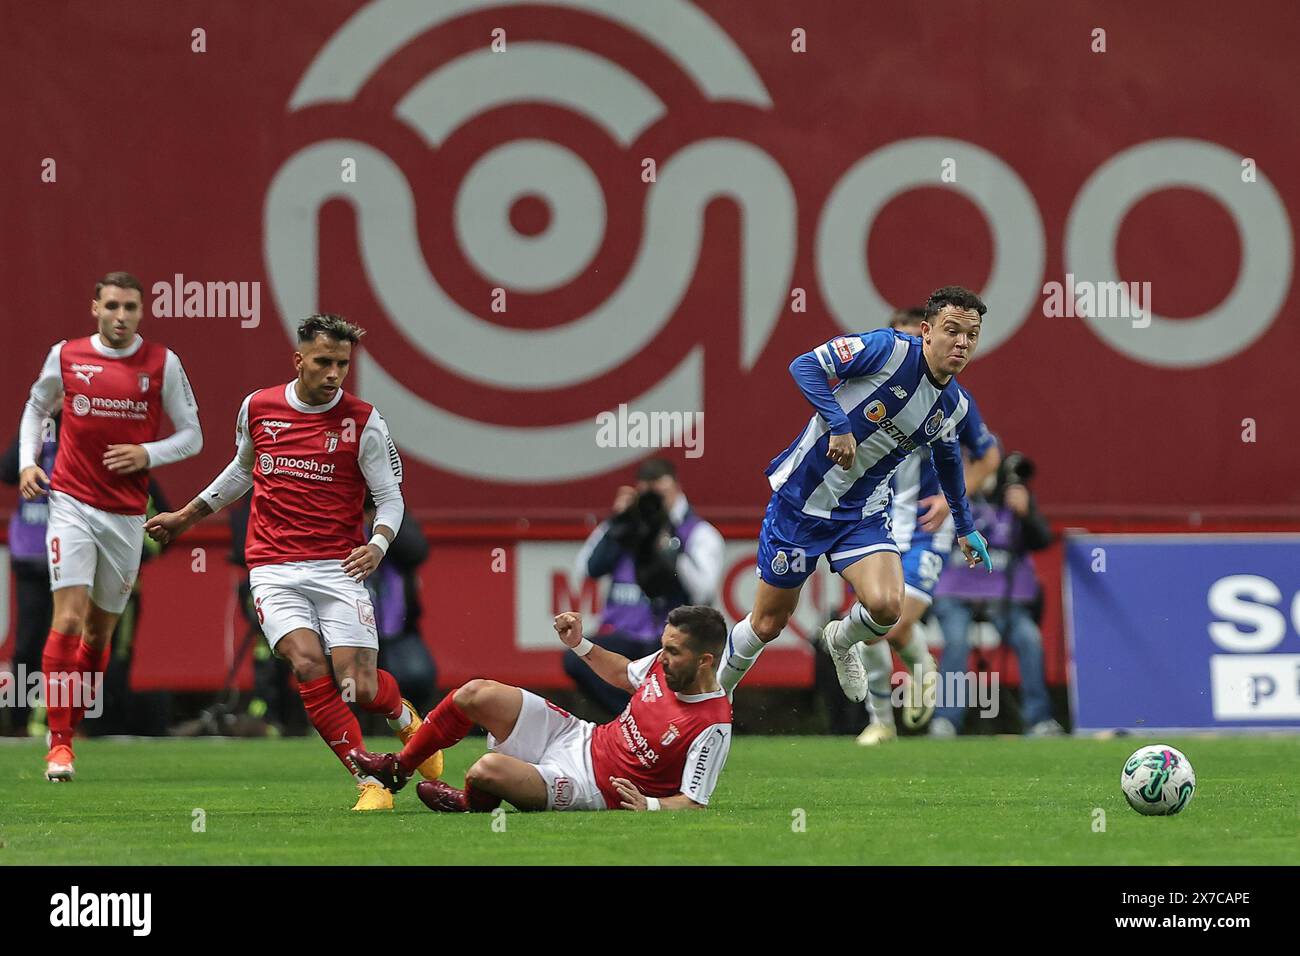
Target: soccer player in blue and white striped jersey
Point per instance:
(830, 488)
(923, 530)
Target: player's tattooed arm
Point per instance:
(165, 528)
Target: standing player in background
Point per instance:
(112, 388)
(830, 488)
(309, 451)
(923, 531)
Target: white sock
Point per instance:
(402, 720)
(914, 651)
(879, 663)
(858, 626)
(743, 648)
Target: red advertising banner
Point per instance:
(547, 211)
(486, 613)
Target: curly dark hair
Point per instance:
(956, 296)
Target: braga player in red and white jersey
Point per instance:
(664, 752)
(113, 388)
(309, 451)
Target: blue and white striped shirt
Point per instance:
(888, 398)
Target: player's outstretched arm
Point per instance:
(231, 485)
(170, 525)
(948, 463)
(609, 667)
(630, 798)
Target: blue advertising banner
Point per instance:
(1174, 632)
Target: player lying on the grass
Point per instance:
(922, 526)
(113, 388)
(830, 488)
(664, 752)
(309, 452)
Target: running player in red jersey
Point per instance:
(664, 752)
(309, 451)
(113, 388)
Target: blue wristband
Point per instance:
(980, 547)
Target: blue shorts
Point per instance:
(921, 570)
(790, 542)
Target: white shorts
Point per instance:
(558, 745)
(87, 547)
(317, 595)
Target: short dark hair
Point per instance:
(906, 317)
(652, 469)
(705, 630)
(123, 280)
(327, 323)
(956, 296)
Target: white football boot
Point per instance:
(877, 734)
(848, 664)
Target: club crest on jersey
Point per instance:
(899, 392)
(934, 422)
(671, 734)
(331, 441)
(780, 563)
(143, 381)
(875, 411)
(274, 428)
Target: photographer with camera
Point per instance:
(658, 554)
(1009, 598)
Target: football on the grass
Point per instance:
(1158, 781)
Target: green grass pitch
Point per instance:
(966, 801)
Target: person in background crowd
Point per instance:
(658, 554)
(1008, 598)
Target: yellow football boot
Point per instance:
(431, 769)
(373, 797)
